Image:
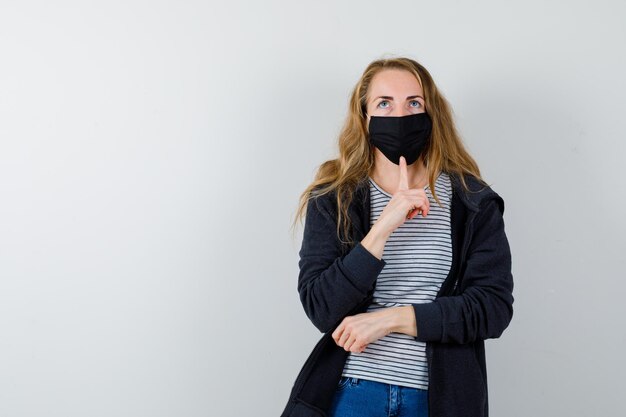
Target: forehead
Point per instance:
(394, 82)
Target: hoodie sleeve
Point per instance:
(483, 307)
(331, 284)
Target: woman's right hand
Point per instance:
(405, 204)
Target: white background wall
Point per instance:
(152, 154)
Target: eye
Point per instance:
(415, 103)
(380, 105)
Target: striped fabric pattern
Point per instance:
(418, 258)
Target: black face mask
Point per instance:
(400, 136)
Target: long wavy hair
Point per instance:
(444, 152)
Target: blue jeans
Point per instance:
(356, 397)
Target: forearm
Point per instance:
(375, 241)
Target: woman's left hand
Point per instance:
(354, 333)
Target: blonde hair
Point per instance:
(444, 152)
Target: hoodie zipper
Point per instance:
(464, 248)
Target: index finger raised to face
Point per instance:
(404, 175)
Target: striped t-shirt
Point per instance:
(418, 256)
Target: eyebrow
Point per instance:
(391, 98)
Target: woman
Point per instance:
(404, 265)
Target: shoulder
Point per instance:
(477, 195)
(327, 199)
(321, 204)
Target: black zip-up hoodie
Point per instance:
(475, 301)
